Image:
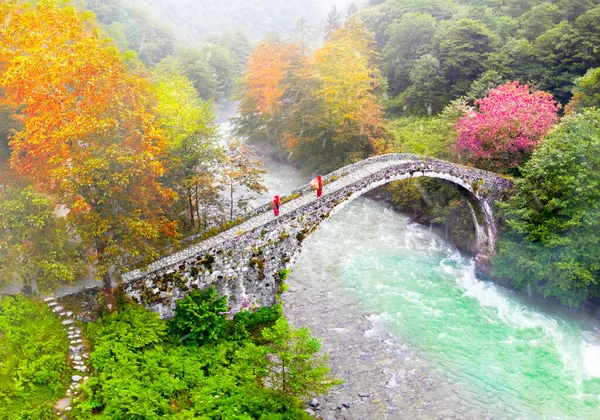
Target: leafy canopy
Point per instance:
(550, 242)
(511, 122)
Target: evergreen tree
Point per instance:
(352, 9)
(302, 34)
(334, 22)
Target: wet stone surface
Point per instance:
(383, 378)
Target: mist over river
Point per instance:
(406, 322)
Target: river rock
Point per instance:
(62, 403)
(314, 403)
(76, 378)
(364, 395)
(310, 412)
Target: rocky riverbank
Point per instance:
(383, 377)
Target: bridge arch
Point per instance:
(245, 262)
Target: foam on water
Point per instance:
(590, 353)
(585, 363)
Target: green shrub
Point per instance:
(161, 378)
(33, 359)
(200, 318)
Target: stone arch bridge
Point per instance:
(245, 261)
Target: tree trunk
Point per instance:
(27, 289)
(107, 289)
(191, 203)
(197, 205)
(231, 202)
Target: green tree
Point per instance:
(586, 93)
(223, 63)
(588, 30)
(561, 50)
(296, 368)
(302, 35)
(36, 247)
(191, 149)
(352, 9)
(430, 136)
(334, 22)
(463, 49)
(141, 372)
(238, 43)
(135, 28)
(409, 38)
(517, 59)
(571, 9)
(439, 9)
(550, 240)
(481, 87)
(427, 92)
(538, 19)
(192, 63)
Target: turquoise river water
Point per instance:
(506, 355)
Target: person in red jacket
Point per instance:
(319, 185)
(276, 204)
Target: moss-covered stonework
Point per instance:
(244, 262)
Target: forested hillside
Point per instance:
(435, 51)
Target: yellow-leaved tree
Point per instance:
(335, 116)
(192, 154)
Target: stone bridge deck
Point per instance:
(243, 262)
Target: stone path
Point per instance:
(77, 355)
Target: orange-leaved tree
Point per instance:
(89, 134)
(262, 90)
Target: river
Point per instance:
(406, 322)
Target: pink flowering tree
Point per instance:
(510, 124)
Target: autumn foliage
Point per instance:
(509, 125)
(264, 80)
(322, 107)
(89, 135)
